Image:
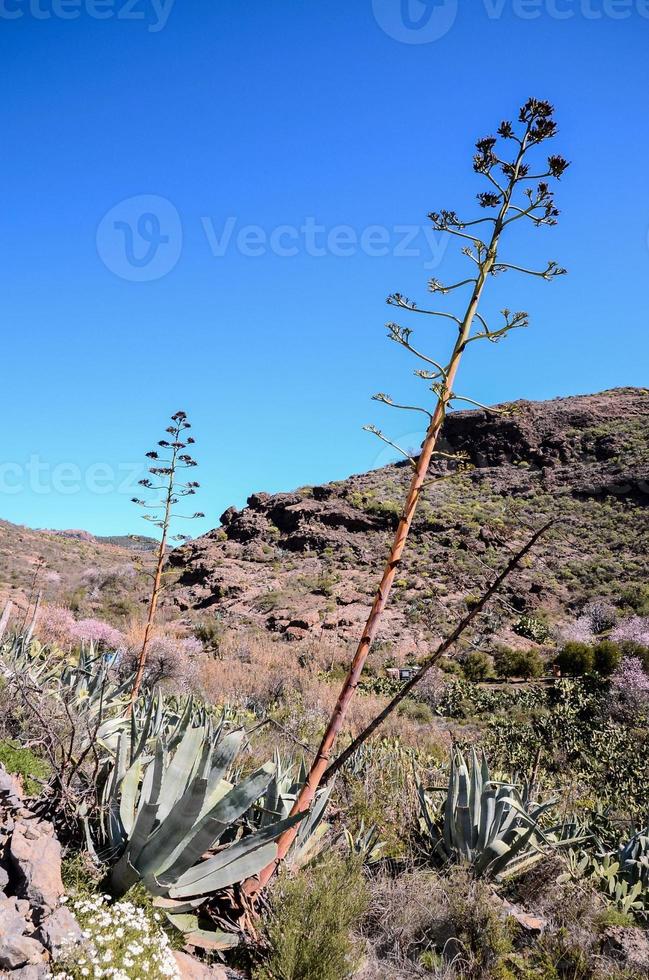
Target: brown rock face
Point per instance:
(298, 563)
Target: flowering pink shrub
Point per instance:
(580, 631)
(629, 690)
(97, 632)
(55, 626)
(635, 630)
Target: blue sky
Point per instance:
(274, 150)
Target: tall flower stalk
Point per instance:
(166, 471)
(516, 192)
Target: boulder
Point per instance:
(59, 931)
(192, 969)
(37, 860)
(17, 951)
(12, 922)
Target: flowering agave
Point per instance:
(490, 825)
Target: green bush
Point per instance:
(24, 763)
(576, 659)
(308, 930)
(476, 666)
(636, 598)
(518, 663)
(416, 711)
(607, 656)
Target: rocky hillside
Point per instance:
(95, 576)
(305, 563)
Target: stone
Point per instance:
(12, 922)
(192, 969)
(18, 951)
(628, 945)
(38, 866)
(40, 972)
(60, 931)
(4, 878)
(11, 791)
(534, 924)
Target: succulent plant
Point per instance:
(278, 801)
(623, 875)
(492, 826)
(168, 803)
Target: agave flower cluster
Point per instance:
(120, 942)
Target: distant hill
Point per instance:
(96, 576)
(305, 564)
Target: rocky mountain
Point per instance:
(305, 564)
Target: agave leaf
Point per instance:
(203, 835)
(211, 939)
(241, 860)
(128, 789)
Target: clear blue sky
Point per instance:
(276, 113)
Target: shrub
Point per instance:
(55, 626)
(518, 663)
(630, 689)
(308, 930)
(417, 711)
(532, 628)
(635, 630)
(120, 940)
(607, 655)
(97, 632)
(601, 614)
(476, 666)
(576, 659)
(636, 597)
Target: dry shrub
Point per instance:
(55, 626)
(429, 924)
(174, 660)
(293, 683)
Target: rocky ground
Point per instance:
(36, 927)
(305, 564)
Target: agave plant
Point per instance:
(492, 826)
(278, 801)
(172, 819)
(365, 844)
